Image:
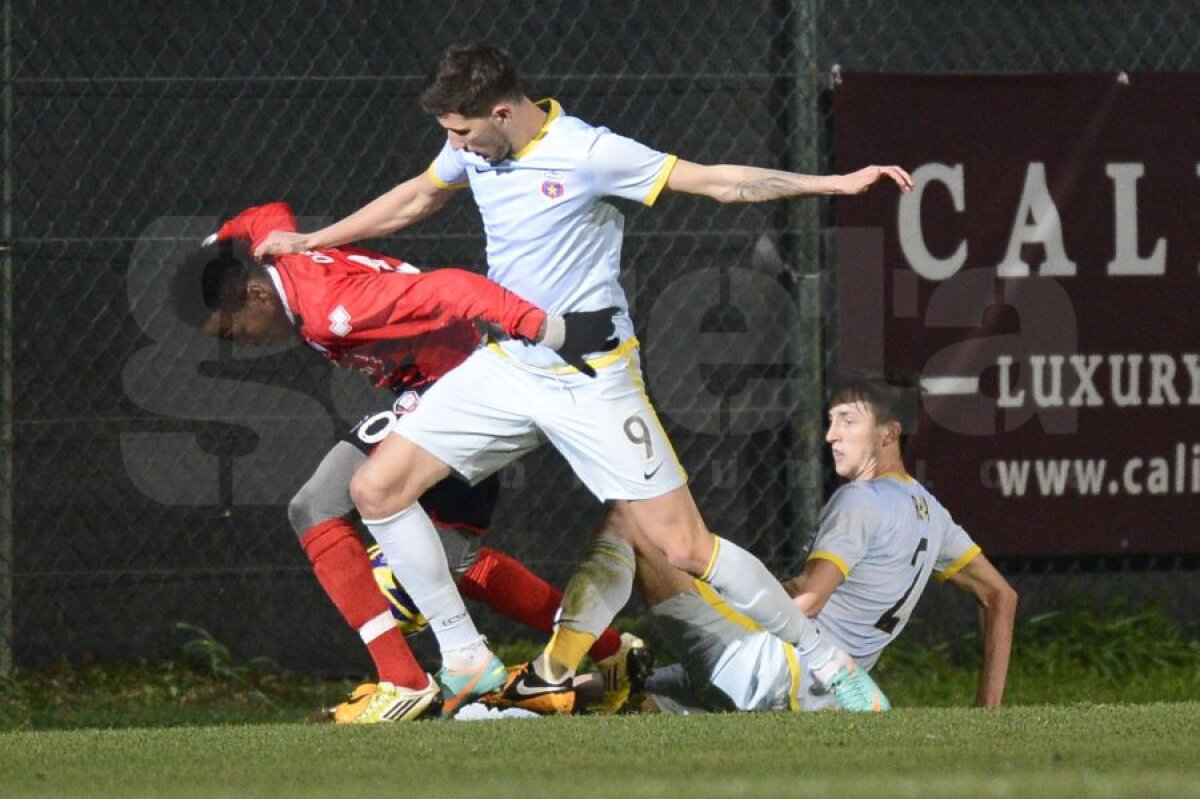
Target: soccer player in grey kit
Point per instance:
(880, 538)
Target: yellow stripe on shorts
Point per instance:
(794, 671)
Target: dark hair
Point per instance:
(212, 280)
(470, 79)
(892, 396)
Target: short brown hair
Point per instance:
(891, 397)
(470, 79)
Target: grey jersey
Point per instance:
(886, 536)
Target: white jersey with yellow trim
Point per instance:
(887, 536)
(550, 236)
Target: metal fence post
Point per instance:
(805, 154)
(6, 361)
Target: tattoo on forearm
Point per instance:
(768, 188)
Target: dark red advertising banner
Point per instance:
(1043, 279)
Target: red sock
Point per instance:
(606, 645)
(343, 569)
(506, 586)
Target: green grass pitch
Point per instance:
(1080, 750)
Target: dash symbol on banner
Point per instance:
(950, 386)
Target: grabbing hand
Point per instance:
(281, 242)
(863, 179)
(574, 335)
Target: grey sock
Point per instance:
(600, 587)
(746, 584)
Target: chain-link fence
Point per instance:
(147, 470)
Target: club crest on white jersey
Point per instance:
(554, 184)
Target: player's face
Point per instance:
(483, 136)
(253, 325)
(855, 440)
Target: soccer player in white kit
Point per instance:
(539, 177)
(880, 538)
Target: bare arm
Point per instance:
(811, 589)
(409, 202)
(998, 608)
(729, 183)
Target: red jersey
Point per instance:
(378, 314)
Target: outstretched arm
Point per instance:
(998, 608)
(729, 183)
(411, 201)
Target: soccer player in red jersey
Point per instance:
(405, 328)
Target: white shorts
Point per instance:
(491, 410)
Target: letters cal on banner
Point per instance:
(1043, 279)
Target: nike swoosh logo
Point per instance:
(532, 690)
(652, 472)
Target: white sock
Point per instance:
(746, 584)
(468, 658)
(414, 551)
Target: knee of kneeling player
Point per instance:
(306, 510)
(301, 513)
(376, 497)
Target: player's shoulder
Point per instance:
(573, 136)
(904, 496)
(300, 269)
(323, 277)
(904, 488)
(579, 134)
(937, 510)
(900, 492)
(576, 140)
(566, 124)
(861, 496)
